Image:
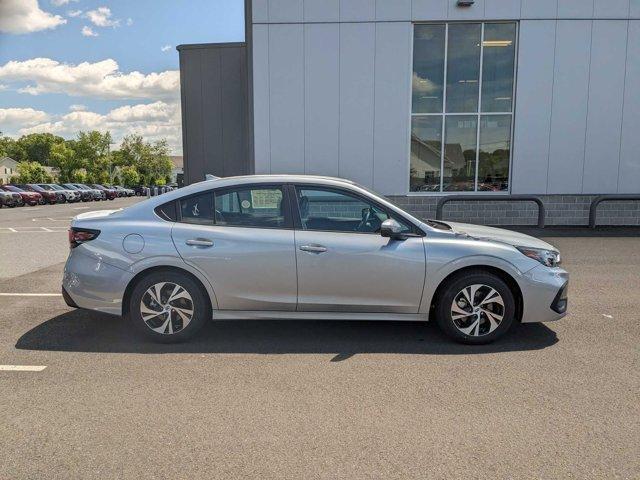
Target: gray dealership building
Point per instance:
(418, 99)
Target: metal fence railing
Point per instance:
(493, 198)
(593, 209)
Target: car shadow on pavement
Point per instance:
(84, 331)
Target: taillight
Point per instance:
(81, 235)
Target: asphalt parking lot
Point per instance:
(275, 399)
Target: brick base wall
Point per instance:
(560, 210)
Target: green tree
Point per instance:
(10, 148)
(64, 158)
(92, 149)
(129, 176)
(36, 147)
(32, 172)
(150, 159)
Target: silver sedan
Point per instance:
(302, 247)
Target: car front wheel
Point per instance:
(168, 307)
(475, 307)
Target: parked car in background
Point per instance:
(70, 196)
(304, 247)
(49, 196)
(139, 190)
(95, 193)
(109, 193)
(28, 198)
(126, 192)
(85, 195)
(10, 199)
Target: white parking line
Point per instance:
(22, 368)
(50, 229)
(30, 294)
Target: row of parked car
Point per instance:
(18, 195)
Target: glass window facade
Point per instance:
(462, 106)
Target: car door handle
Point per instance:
(313, 248)
(199, 242)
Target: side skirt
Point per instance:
(286, 315)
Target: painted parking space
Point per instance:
(34, 229)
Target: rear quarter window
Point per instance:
(167, 211)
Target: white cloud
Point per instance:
(74, 13)
(165, 48)
(77, 107)
(100, 79)
(87, 32)
(25, 16)
(59, 3)
(129, 21)
(101, 17)
(154, 121)
(13, 119)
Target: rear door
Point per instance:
(344, 264)
(242, 239)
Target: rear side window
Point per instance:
(253, 207)
(197, 209)
(167, 211)
(258, 207)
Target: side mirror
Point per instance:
(391, 228)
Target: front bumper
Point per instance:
(543, 288)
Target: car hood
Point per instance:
(501, 235)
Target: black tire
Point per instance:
(454, 286)
(200, 302)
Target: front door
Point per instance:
(242, 239)
(343, 262)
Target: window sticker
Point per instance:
(265, 198)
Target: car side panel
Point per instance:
(447, 253)
(359, 273)
(249, 268)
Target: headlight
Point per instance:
(549, 258)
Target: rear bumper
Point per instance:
(90, 283)
(544, 292)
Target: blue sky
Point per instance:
(70, 64)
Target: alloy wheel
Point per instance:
(166, 308)
(477, 310)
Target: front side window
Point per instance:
(462, 106)
(337, 211)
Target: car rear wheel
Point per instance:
(168, 307)
(475, 307)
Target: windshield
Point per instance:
(11, 188)
(45, 187)
(37, 188)
(56, 187)
(69, 186)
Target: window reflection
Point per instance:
(463, 67)
(428, 68)
(426, 153)
(497, 66)
(495, 149)
(460, 153)
(448, 159)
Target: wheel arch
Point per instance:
(209, 294)
(499, 272)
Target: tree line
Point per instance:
(88, 158)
